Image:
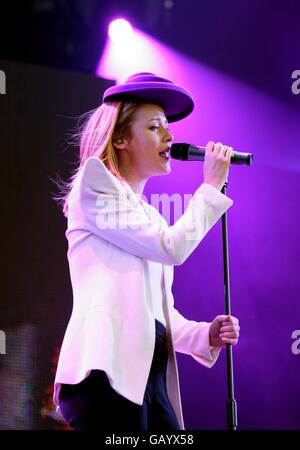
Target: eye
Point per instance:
(154, 127)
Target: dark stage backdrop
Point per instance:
(36, 297)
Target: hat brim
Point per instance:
(176, 101)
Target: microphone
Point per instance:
(188, 152)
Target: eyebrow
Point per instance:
(159, 118)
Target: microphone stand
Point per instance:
(231, 405)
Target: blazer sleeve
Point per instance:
(192, 338)
(109, 214)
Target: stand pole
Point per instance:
(231, 405)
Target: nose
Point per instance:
(169, 136)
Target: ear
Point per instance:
(120, 142)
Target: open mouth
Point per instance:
(165, 154)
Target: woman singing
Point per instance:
(117, 368)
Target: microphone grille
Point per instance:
(179, 151)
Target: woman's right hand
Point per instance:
(216, 164)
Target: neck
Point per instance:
(136, 182)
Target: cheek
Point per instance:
(144, 145)
(147, 145)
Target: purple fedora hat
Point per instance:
(176, 101)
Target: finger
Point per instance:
(217, 147)
(224, 332)
(227, 328)
(228, 154)
(229, 341)
(232, 324)
(223, 151)
(232, 334)
(231, 320)
(222, 319)
(210, 146)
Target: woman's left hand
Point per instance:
(224, 330)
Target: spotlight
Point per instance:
(119, 30)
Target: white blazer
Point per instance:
(116, 243)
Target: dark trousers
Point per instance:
(93, 404)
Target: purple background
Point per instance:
(264, 249)
(237, 58)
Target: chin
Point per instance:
(164, 172)
(163, 169)
(166, 169)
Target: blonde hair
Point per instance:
(101, 127)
